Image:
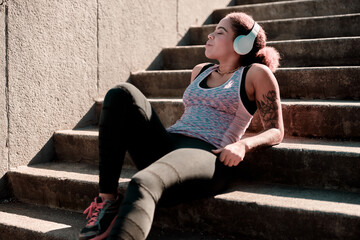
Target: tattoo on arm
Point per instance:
(268, 110)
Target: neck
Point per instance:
(222, 70)
(229, 65)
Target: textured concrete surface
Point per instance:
(162, 84)
(293, 9)
(195, 13)
(132, 33)
(260, 209)
(315, 52)
(295, 161)
(270, 212)
(339, 83)
(25, 221)
(318, 118)
(304, 118)
(245, 2)
(3, 104)
(294, 53)
(294, 28)
(62, 185)
(319, 82)
(81, 146)
(52, 73)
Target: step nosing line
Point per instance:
(291, 19)
(26, 222)
(315, 40)
(295, 203)
(329, 103)
(310, 18)
(266, 4)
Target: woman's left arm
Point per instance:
(267, 96)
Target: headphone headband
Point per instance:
(244, 43)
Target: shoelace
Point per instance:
(93, 211)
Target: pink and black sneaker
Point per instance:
(101, 215)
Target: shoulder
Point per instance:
(196, 70)
(259, 75)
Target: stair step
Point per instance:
(273, 212)
(162, 84)
(295, 28)
(282, 211)
(334, 119)
(294, 53)
(337, 83)
(317, 118)
(245, 2)
(60, 185)
(26, 221)
(81, 146)
(291, 9)
(296, 161)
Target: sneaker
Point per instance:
(101, 215)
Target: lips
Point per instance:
(208, 44)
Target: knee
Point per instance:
(118, 93)
(129, 94)
(148, 184)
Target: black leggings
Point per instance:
(172, 167)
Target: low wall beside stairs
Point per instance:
(56, 57)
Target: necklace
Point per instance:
(223, 73)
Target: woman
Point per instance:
(194, 157)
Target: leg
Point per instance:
(128, 122)
(189, 167)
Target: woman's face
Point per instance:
(220, 42)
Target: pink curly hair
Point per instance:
(241, 25)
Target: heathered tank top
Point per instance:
(215, 115)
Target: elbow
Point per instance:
(281, 135)
(278, 135)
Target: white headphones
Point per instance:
(244, 43)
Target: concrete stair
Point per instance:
(296, 161)
(307, 187)
(292, 9)
(336, 83)
(294, 53)
(296, 28)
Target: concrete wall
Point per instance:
(62, 54)
(132, 33)
(3, 111)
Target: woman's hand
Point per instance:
(232, 154)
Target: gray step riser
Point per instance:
(300, 53)
(206, 213)
(242, 2)
(277, 165)
(340, 26)
(27, 217)
(324, 121)
(282, 10)
(309, 83)
(260, 222)
(54, 192)
(334, 122)
(80, 148)
(19, 234)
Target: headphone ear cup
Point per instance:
(243, 44)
